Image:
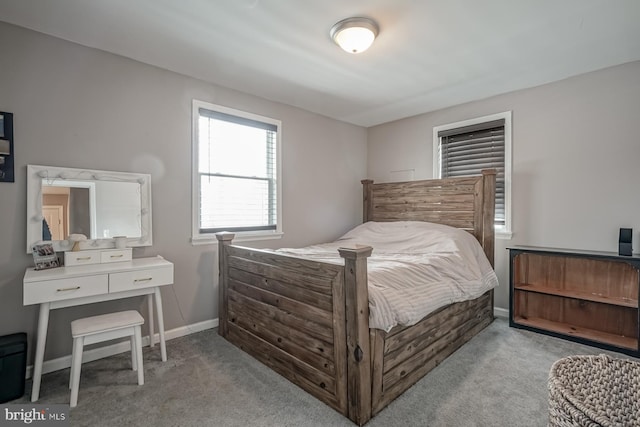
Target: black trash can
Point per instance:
(13, 365)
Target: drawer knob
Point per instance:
(74, 288)
(146, 279)
(117, 256)
(84, 258)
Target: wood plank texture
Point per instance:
(403, 368)
(400, 336)
(578, 296)
(611, 319)
(377, 339)
(593, 276)
(340, 349)
(466, 202)
(431, 330)
(367, 201)
(485, 232)
(286, 268)
(289, 305)
(309, 321)
(224, 241)
(318, 383)
(275, 317)
(357, 328)
(406, 368)
(312, 351)
(303, 324)
(575, 331)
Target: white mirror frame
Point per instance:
(35, 175)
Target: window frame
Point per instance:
(502, 232)
(198, 238)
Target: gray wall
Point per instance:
(79, 107)
(576, 154)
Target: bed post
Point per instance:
(488, 212)
(357, 326)
(224, 239)
(367, 200)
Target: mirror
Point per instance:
(98, 204)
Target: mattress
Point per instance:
(416, 267)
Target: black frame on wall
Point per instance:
(6, 147)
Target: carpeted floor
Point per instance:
(499, 378)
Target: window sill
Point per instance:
(503, 234)
(239, 237)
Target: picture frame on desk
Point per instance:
(45, 257)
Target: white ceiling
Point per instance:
(429, 54)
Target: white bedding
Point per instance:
(415, 268)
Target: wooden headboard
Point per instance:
(466, 202)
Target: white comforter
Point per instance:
(416, 267)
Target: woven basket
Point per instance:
(594, 391)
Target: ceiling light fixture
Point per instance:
(354, 35)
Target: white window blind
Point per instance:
(237, 173)
(468, 150)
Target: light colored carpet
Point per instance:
(499, 378)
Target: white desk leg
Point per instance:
(150, 317)
(43, 325)
(163, 347)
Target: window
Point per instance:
(236, 173)
(465, 148)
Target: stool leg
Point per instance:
(138, 340)
(78, 344)
(134, 359)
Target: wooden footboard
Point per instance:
(309, 320)
(290, 314)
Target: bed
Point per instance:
(308, 319)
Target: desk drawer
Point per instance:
(81, 258)
(62, 289)
(140, 279)
(117, 255)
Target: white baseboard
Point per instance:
(501, 312)
(110, 350)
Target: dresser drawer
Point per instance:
(98, 256)
(81, 258)
(115, 255)
(61, 289)
(140, 279)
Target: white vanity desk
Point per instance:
(85, 284)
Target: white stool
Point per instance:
(91, 330)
